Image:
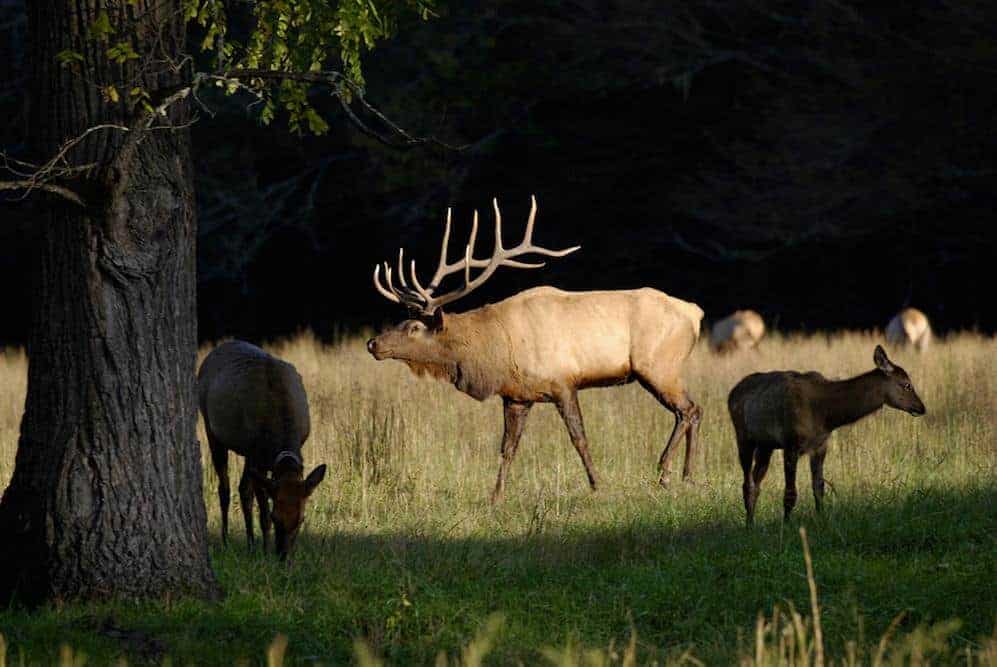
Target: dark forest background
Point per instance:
(825, 163)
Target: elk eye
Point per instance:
(908, 386)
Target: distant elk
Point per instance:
(909, 327)
(255, 405)
(543, 344)
(796, 412)
(741, 330)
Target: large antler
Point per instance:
(423, 299)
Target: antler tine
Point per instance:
(441, 268)
(427, 295)
(423, 299)
(467, 260)
(377, 284)
(468, 256)
(401, 263)
(528, 236)
(498, 230)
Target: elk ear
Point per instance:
(264, 482)
(881, 360)
(313, 479)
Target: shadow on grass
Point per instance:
(411, 596)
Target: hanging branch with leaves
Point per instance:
(286, 56)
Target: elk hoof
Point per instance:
(663, 481)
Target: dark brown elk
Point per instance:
(543, 344)
(255, 405)
(796, 412)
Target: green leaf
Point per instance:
(121, 53)
(68, 56)
(101, 27)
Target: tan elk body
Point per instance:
(544, 344)
(796, 412)
(255, 405)
(741, 330)
(909, 327)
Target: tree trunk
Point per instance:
(106, 497)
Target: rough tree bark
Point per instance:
(106, 497)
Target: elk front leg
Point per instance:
(567, 405)
(515, 420)
(789, 459)
(246, 499)
(264, 506)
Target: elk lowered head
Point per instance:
(418, 340)
(900, 393)
(289, 493)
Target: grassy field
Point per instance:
(404, 560)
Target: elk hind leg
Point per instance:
(567, 405)
(762, 456)
(817, 476)
(515, 420)
(687, 415)
(746, 456)
(790, 456)
(219, 459)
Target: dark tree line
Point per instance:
(825, 164)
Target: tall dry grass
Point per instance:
(412, 459)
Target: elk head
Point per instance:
(900, 393)
(417, 340)
(289, 493)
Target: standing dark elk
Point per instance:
(909, 327)
(741, 330)
(543, 344)
(796, 412)
(255, 405)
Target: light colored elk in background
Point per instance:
(909, 327)
(543, 344)
(741, 330)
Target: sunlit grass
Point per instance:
(403, 552)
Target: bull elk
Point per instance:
(909, 327)
(741, 330)
(255, 405)
(796, 412)
(543, 344)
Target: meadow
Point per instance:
(403, 560)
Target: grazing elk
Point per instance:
(543, 344)
(255, 405)
(796, 412)
(741, 330)
(909, 327)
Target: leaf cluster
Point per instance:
(298, 37)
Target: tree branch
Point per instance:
(29, 185)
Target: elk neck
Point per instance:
(477, 347)
(846, 401)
